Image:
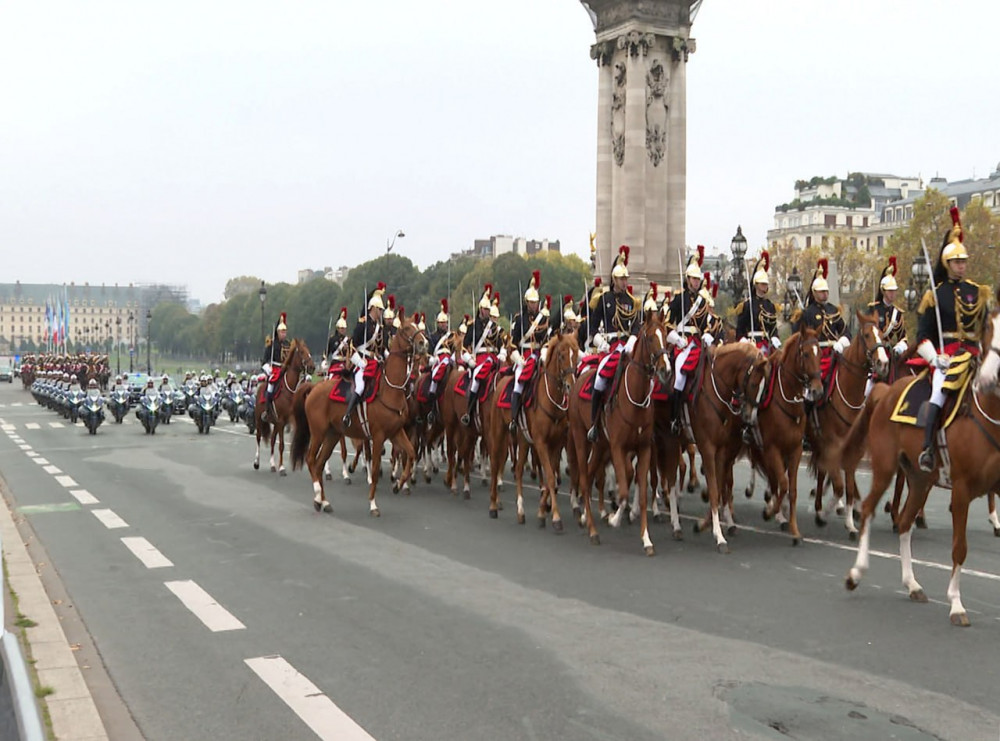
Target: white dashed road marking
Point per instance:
(84, 497)
(215, 617)
(52, 469)
(56, 425)
(145, 552)
(66, 481)
(109, 519)
(32, 426)
(41, 461)
(317, 710)
(24, 446)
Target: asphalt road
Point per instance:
(435, 622)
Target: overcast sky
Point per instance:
(189, 142)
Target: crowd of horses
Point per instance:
(739, 403)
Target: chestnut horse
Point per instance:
(781, 422)
(297, 366)
(626, 429)
(732, 389)
(832, 420)
(542, 429)
(973, 447)
(319, 427)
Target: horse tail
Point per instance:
(300, 440)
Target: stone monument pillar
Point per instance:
(641, 51)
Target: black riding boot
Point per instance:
(515, 409)
(470, 411)
(352, 403)
(432, 398)
(676, 412)
(926, 459)
(596, 402)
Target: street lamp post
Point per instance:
(793, 294)
(149, 342)
(118, 342)
(920, 274)
(737, 278)
(262, 293)
(390, 242)
(131, 342)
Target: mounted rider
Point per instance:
(528, 333)
(613, 326)
(275, 353)
(757, 320)
(441, 357)
(962, 312)
(692, 324)
(338, 345)
(570, 323)
(891, 319)
(481, 345)
(369, 342)
(822, 316)
(390, 320)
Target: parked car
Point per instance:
(6, 373)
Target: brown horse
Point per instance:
(781, 422)
(297, 366)
(626, 430)
(973, 449)
(319, 427)
(831, 420)
(731, 391)
(542, 428)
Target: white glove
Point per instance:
(502, 355)
(515, 357)
(266, 368)
(707, 338)
(943, 361)
(840, 345)
(776, 343)
(674, 338)
(926, 350)
(746, 341)
(324, 366)
(357, 359)
(630, 344)
(600, 343)
(467, 359)
(900, 347)
(543, 354)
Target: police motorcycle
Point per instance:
(178, 399)
(92, 408)
(118, 402)
(234, 402)
(206, 406)
(166, 403)
(246, 411)
(73, 401)
(148, 408)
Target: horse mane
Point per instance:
(743, 348)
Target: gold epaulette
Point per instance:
(741, 307)
(596, 298)
(796, 316)
(636, 303)
(927, 301)
(267, 342)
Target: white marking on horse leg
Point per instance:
(861, 560)
(954, 593)
(326, 469)
(906, 560)
(500, 482)
(849, 521)
(656, 505)
(616, 519)
(372, 507)
(343, 471)
(272, 460)
(728, 512)
(646, 542)
(994, 520)
(520, 505)
(675, 515)
(717, 529)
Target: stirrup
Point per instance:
(592, 434)
(346, 420)
(512, 426)
(925, 462)
(465, 420)
(431, 417)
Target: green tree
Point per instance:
(244, 284)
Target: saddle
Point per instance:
(587, 389)
(462, 387)
(424, 389)
(911, 408)
(342, 387)
(695, 380)
(508, 391)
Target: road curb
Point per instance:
(71, 707)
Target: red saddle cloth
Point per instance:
(827, 362)
(608, 371)
(587, 361)
(487, 365)
(440, 370)
(371, 375)
(508, 391)
(336, 369)
(587, 389)
(661, 392)
(275, 374)
(462, 387)
(693, 357)
(424, 389)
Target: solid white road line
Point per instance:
(32, 426)
(52, 469)
(84, 497)
(66, 481)
(215, 617)
(145, 552)
(317, 710)
(110, 520)
(56, 425)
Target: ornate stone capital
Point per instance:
(636, 43)
(682, 48)
(602, 52)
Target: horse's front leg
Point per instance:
(256, 454)
(401, 442)
(274, 439)
(281, 451)
(959, 550)
(621, 464)
(519, 463)
(374, 469)
(549, 476)
(643, 483)
(710, 454)
(790, 482)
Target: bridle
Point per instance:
(300, 367)
(407, 353)
(648, 368)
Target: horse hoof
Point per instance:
(282, 472)
(317, 506)
(852, 536)
(659, 518)
(795, 540)
(960, 619)
(723, 548)
(534, 476)
(557, 526)
(256, 466)
(887, 508)
(577, 511)
(541, 522)
(395, 488)
(466, 494)
(347, 480)
(850, 583)
(765, 514)
(704, 496)
(329, 477)
(483, 482)
(895, 528)
(434, 469)
(520, 518)
(918, 596)
(840, 510)
(493, 514)
(690, 488)
(820, 522)
(678, 534)
(375, 513)
(783, 527)
(273, 469)
(696, 528)
(996, 532)
(921, 523)
(327, 507)
(650, 550)
(748, 492)
(731, 530)
(427, 479)
(595, 539)
(350, 468)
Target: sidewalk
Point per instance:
(70, 706)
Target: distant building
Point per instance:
(89, 315)
(501, 244)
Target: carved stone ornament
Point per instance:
(656, 112)
(636, 43)
(681, 48)
(618, 114)
(602, 52)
